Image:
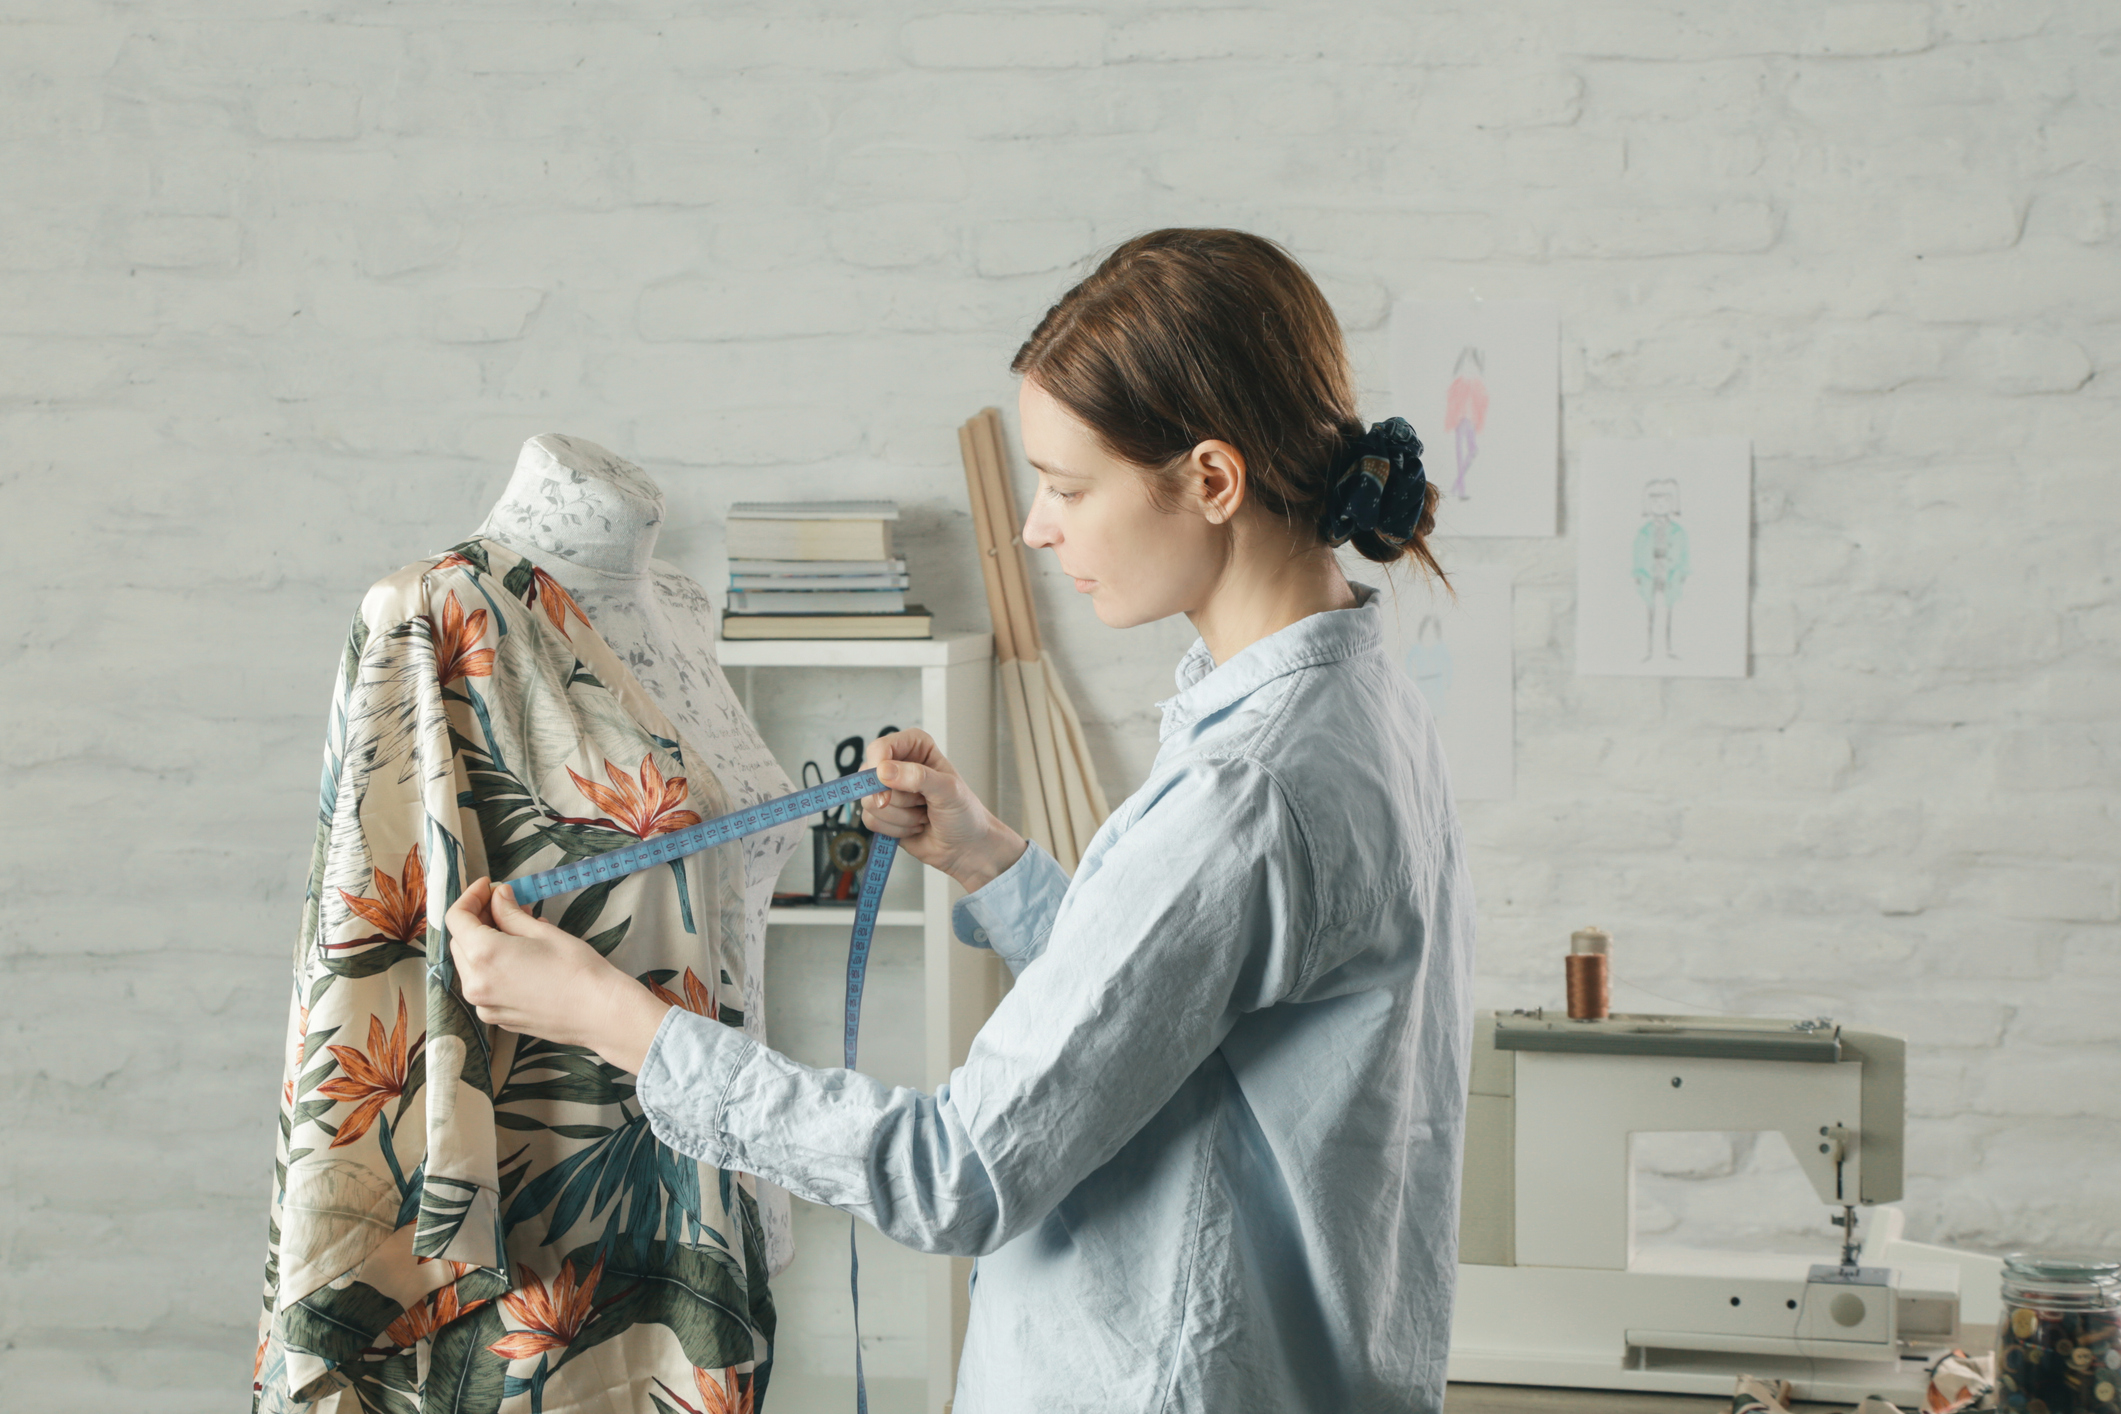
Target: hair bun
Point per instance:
(1380, 489)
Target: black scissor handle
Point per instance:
(847, 756)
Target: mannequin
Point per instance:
(590, 519)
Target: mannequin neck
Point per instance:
(574, 500)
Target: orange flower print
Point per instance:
(648, 809)
(398, 912)
(558, 602)
(552, 1319)
(456, 640)
(372, 1080)
(295, 1050)
(716, 1396)
(424, 1318)
(696, 998)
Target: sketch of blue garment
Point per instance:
(1662, 562)
(1429, 664)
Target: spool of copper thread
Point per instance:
(1590, 974)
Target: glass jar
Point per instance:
(2058, 1346)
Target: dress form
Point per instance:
(590, 520)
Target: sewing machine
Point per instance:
(1551, 1290)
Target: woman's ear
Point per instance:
(1218, 476)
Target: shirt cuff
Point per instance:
(1013, 913)
(684, 1083)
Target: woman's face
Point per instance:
(1137, 563)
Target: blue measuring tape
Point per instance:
(633, 858)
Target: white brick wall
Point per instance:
(282, 287)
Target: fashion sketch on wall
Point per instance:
(1480, 380)
(1663, 562)
(1458, 652)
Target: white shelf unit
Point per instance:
(843, 918)
(961, 984)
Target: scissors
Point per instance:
(847, 759)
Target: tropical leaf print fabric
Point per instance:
(467, 1221)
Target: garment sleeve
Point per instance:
(1014, 913)
(1196, 914)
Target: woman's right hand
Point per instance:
(933, 814)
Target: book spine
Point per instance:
(818, 601)
(737, 566)
(813, 510)
(819, 581)
(809, 540)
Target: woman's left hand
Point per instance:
(524, 974)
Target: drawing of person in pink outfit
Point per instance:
(1465, 410)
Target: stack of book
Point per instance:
(817, 569)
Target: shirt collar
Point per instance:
(1205, 689)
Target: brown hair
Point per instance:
(1182, 336)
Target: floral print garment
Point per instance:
(464, 1219)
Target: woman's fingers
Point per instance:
(903, 810)
(512, 918)
(897, 822)
(928, 805)
(471, 941)
(474, 901)
(908, 748)
(910, 745)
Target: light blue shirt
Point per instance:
(1207, 1147)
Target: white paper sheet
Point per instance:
(1663, 534)
(1480, 381)
(1459, 654)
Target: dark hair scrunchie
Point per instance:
(1380, 489)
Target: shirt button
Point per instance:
(979, 935)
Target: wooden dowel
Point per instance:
(1051, 749)
(1003, 498)
(1071, 779)
(996, 549)
(1038, 822)
(1082, 821)
(990, 567)
(1053, 783)
(1078, 746)
(1001, 532)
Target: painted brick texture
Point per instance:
(283, 286)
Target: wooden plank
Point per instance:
(990, 565)
(1038, 820)
(1078, 746)
(999, 509)
(1001, 501)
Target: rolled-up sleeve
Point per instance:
(1196, 913)
(1013, 914)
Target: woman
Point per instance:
(1207, 1148)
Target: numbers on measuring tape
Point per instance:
(633, 858)
(663, 849)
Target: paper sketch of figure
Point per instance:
(1662, 562)
(1463, 358)
(1465, 411)
(1429, 664)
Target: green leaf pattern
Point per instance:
(430, 1182)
